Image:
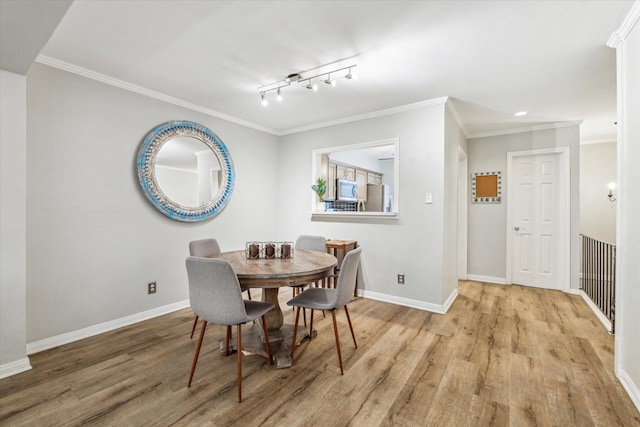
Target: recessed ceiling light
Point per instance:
(520, 113)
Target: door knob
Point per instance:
(516, 228)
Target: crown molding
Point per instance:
(371, 115)
(556, 125)
(65, 66)
(627, 25)
(456, 117)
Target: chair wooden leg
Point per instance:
(295, 332)
(249, 294)
(228, 339)
(304, 316)
(239, 363)
(195, 356)
(335, 330)
(311, 327)
(193, 328)
(266, 340)
(353, 335)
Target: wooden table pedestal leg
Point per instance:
(280, 334)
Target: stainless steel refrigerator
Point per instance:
(379, 198)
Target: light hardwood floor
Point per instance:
(502, 355)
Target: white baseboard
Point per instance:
(630, 387)
(487, 279)
(58, 340)
(601, 317)
(447, 304)
(407, 302)
(15, 367)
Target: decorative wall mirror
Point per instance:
(185, 171)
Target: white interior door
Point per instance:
(537, 220)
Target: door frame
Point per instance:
(463, 200)
(564, 196)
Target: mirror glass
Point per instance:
(186, 171)
(372, 166)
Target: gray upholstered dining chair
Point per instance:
(222, 304)
(310, 243)
(205, 248)
(330, 299)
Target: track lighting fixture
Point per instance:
(323, 72)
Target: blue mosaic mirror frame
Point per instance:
(152, 143)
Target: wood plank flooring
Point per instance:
(502, 356)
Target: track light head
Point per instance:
(313, 87)
(264, 100)
(330, 81)
(350, 75)
(278, 95)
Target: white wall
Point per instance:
(487, 222)
(93, 239)
(628, 234)
(413, 244)
(597, 170)
(13, 204)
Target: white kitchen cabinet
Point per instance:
(331, 183)
(374, 178)
(361, 180)
(345, 172)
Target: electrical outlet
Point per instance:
(152, 287)
(401, 279)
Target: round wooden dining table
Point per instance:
(270, 275)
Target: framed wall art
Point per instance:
(486, 187)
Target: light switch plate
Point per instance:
(428, 198)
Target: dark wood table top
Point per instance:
(304, 267)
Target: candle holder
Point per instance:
(270, 250)
(285, 250)
(254, 250)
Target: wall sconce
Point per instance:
(612, 186)
(307, 76)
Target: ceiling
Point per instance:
(493, 58)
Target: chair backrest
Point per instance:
(204, 248)
(347, 278)
(221, 304)
(311, 243)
